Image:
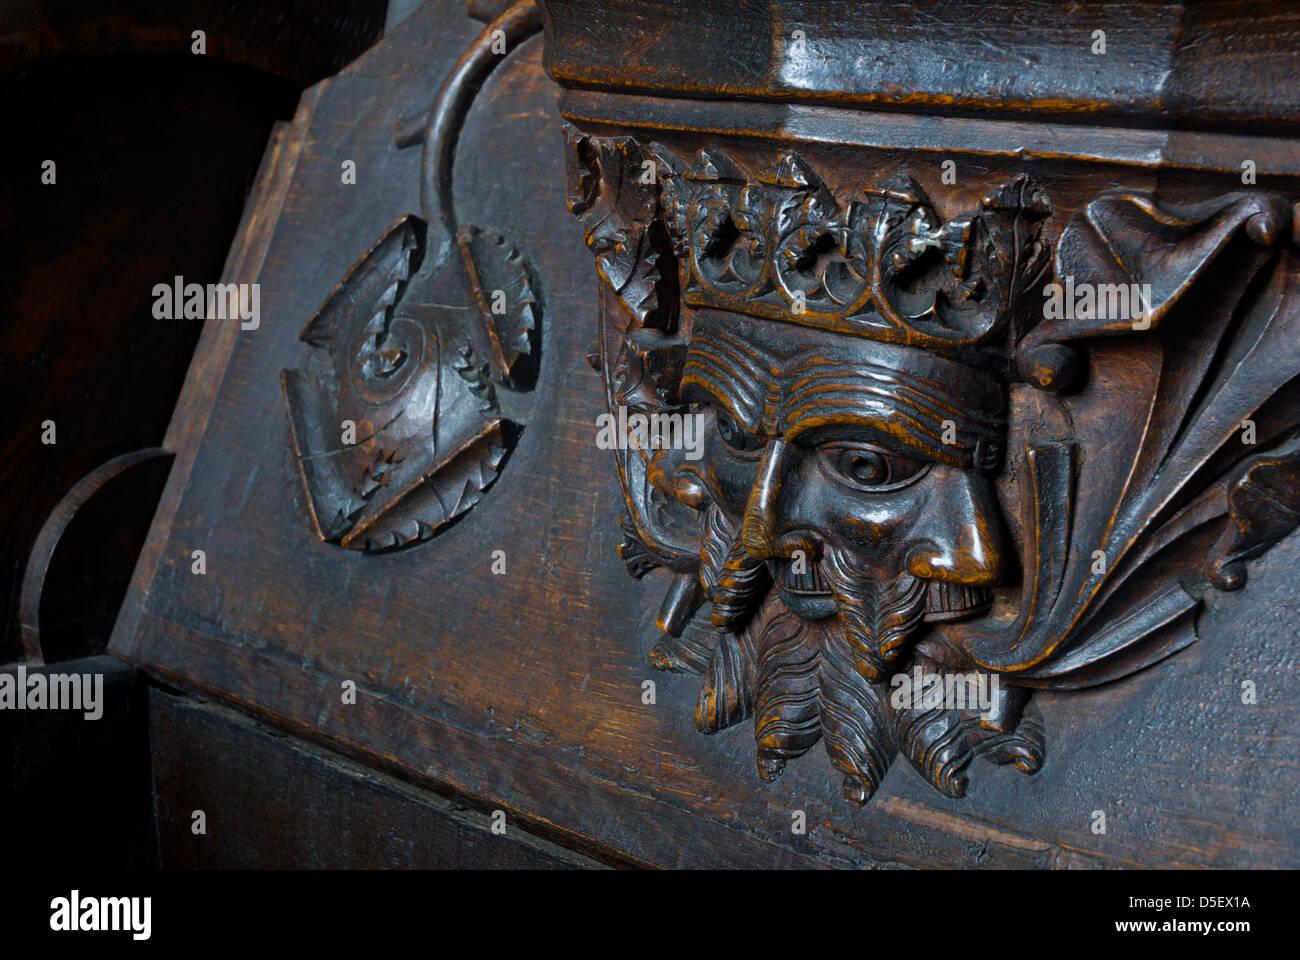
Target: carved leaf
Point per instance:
(1264, 506)
(508, 310)
(1192, 370)
(415, 378)
(452, 487)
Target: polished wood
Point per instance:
(863, 373)
(1221, 64)
(559, 689)
(433, 339)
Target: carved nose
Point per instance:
(961, 541)
(758, 531)
(686, 484)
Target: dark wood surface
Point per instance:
(155, 147)
(274, 802)
(523, 690)
(1203, 65)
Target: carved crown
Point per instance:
(779, 245)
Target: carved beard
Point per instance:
(877, 616)
(734, 581)
(808, 680)
(805, 683)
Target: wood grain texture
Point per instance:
(920, 484)
(1166, 63)
(524, 690)
(272, 802)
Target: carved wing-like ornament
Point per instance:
(1173, 463)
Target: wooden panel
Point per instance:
(271, 801)
(523, 689)
(953, 57)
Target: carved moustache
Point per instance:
(826, 680)
(877, 616)
(735, 581)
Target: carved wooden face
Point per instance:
(843, 495)
(837, 463)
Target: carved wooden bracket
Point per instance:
(941, 456)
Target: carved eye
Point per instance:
(868, 468)
(731, 433)
(863, 466)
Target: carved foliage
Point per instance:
(401, 426)
(1146, 471)
(401, 432)
(1129, 479)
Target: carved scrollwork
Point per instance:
(931, 479)
(403, 432)
(431, 345)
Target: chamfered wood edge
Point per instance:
(408, 800)
(257, 227)
(994, 137)
(1167, 68)
(181, 657)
